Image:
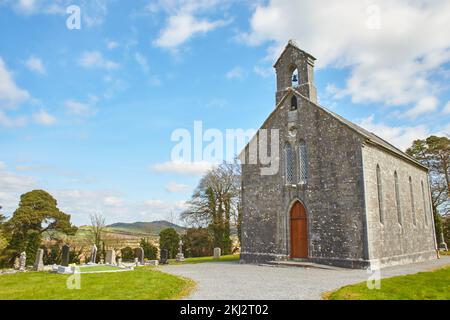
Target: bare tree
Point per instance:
(97, 228)
(216, 203)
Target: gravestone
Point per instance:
(39, 262)
(136, 262)
(139, 254)
(17, 263)
(119, 261)
(180, 255)
(164, 256)
(442, 244)
(93, 259)
(65, 255)
(217, 253)
(23, 261)
(110, 257)
(152, 263)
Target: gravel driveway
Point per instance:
(226, 281)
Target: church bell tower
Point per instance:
(295, 69)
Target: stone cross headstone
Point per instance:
(139, 254)
(39, 262)
(23, 261)
(180, 255)
(217, 253)
(93, 254)
(164, 256)
(65, 255)
(110, 257)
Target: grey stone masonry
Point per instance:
(341, 193)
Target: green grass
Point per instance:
(98, 268)
(140, 284)
(433, 285)
(444, 253)
(228, 258)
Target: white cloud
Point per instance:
(44, 118)
(112, 45)
(401, 136)
(185, 168)
(10, 122)
(142, 61)
(235, 73)
(174, 187)
(181, 27)
(447, 108)
(82, 109)
(390, 48)
(164, 207)
(10, 94)
(12, 186)
(93, 11)
(26, 6)
(263, 72)
(36, 65)
(95, 59)
(424, 106)
(183, 22)
(113, 201)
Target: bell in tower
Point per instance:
(295, 69)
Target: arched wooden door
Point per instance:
(299, 231)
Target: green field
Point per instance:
(228, 258)
(433, 285)
(98, 268)
(140, 284)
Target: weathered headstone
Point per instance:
(23, 261)
(164, 256)
(93, 254)
(139, 254)
(65, 255)
(119, 261)
(136, 262)
(152, 262)
(180, 255)
(110, 257)
(39, 262)
(16, 263)
(217, 253)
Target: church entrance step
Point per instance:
(300, 263)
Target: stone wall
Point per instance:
(398, 239)
(333, 196)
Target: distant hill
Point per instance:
(144, 228)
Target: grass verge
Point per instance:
(140, 284)
(433, 285)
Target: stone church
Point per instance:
(342, 196)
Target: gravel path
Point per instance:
(226, 281)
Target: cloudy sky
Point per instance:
(88, 114)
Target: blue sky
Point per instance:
(88, 114)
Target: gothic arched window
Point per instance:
(294, 103)
(397, 199)
(411, 194)
(380, 195)
(302, 163)
(424, 205)
(289, 164)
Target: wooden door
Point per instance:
(299, 231)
